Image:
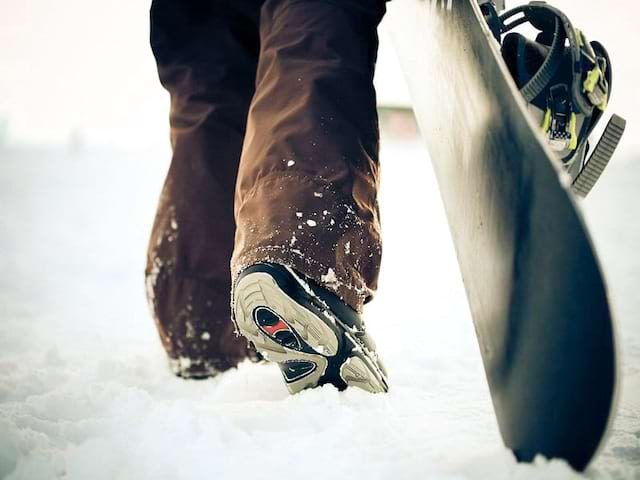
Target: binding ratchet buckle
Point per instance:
(560, 122)
(595, 85)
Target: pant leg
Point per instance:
(309, 174)
(206, 52)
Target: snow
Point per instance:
(329, 278)
(85, 391)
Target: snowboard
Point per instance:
(532, 277)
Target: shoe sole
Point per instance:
(309, 347)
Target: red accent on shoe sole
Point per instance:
(273, 329)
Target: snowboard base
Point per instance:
(535, 289)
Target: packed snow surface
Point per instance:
(85, 392)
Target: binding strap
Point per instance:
(552, 62)
(599, 159)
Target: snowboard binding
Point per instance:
(565, 80)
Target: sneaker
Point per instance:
(312, 335)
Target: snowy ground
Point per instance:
(84, 389)
(85, 392)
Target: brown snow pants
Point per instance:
(275, 158)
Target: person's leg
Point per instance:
(207, 55)
(306, 209)
(309, 174)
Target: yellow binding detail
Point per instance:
(573, 123)
(546, 123)
(593, 77)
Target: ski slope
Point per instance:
(85, 391)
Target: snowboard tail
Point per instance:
(534, 285)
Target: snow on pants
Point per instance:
(275, 158)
